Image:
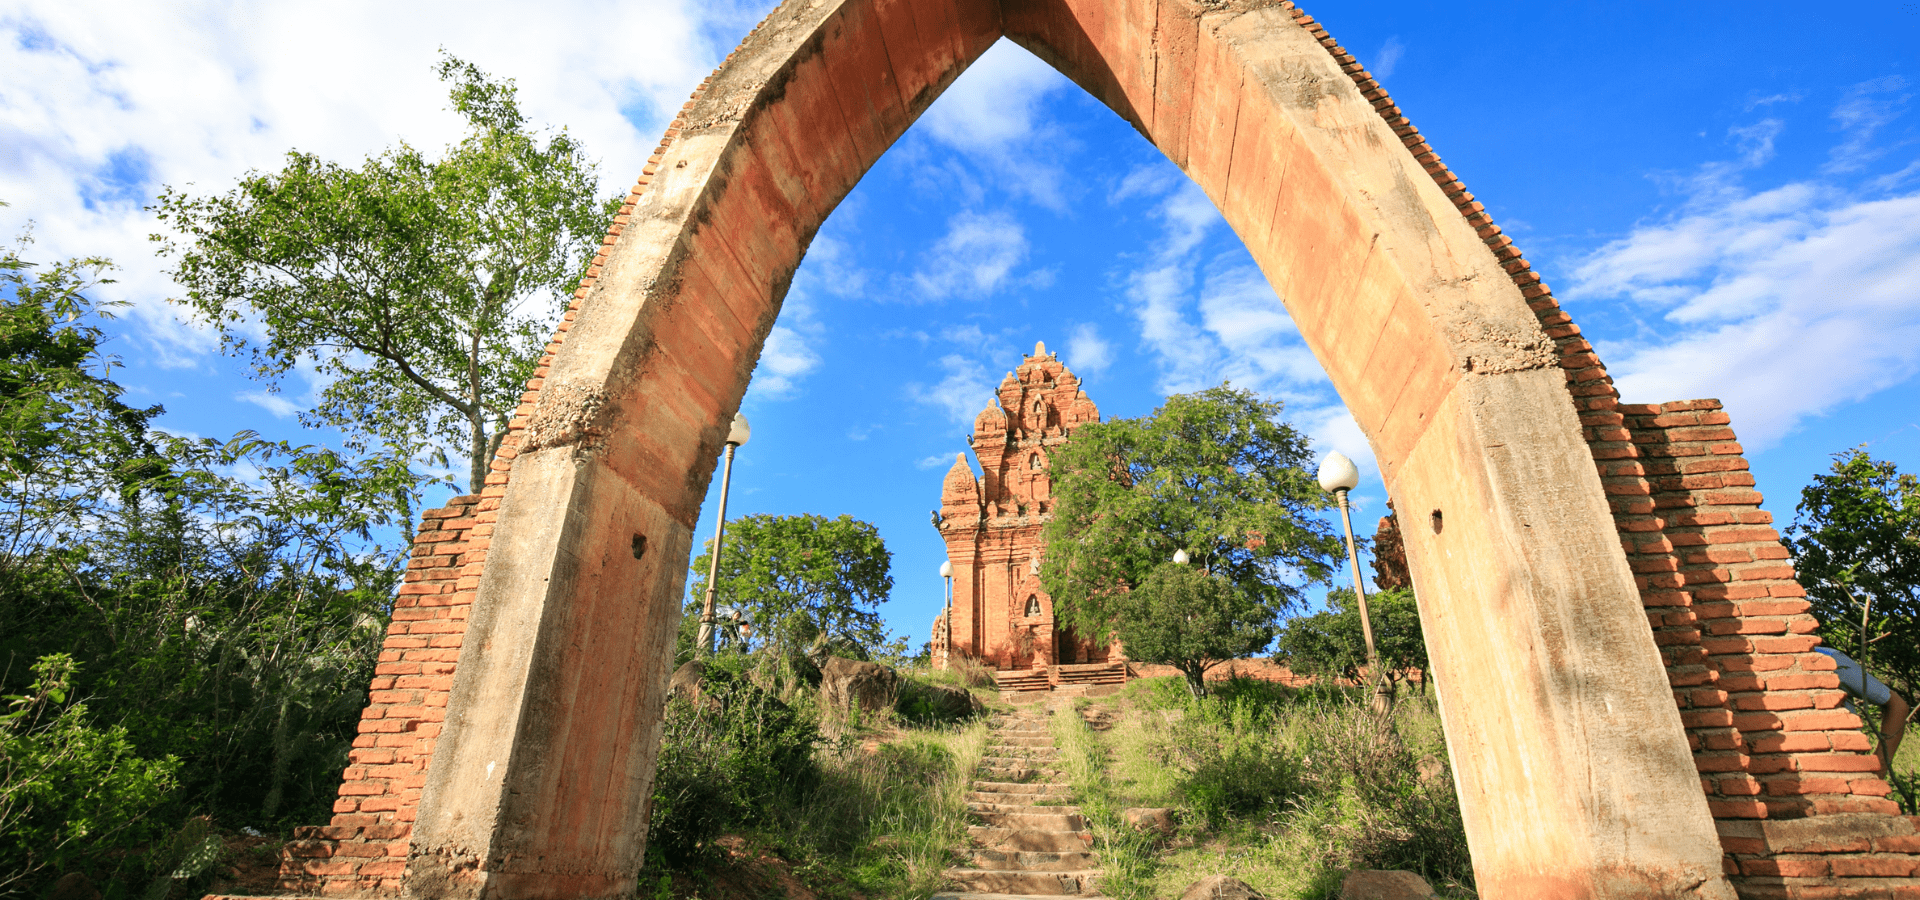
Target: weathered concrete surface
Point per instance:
(539, 782)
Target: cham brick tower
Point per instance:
(991, 523)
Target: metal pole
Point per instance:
(949, 656)
(713, 567)
(1353, 559)
(1382, 688)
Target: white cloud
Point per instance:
(1782, 304)
(1087, 352)
(961, 394)
(936, 461)
(1861, 114)
(783, 361)
(105, 102)
(281, 407)
(976, 257)
(993, 114)
(1388, 57)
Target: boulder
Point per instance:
(685, 683)
(846, 682)
(1380, 884)
(935, 703)
(73, 886)
(1154, 820)
(1220, 887)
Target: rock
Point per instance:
(1380, 884)
(1220, 887)
(72, 886)
(846, 682)
(1157, 820)
(685, 682)
(1431, 768)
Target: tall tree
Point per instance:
(803, 579)
(1855, 540)
(1214, 473)
(1332, 643)
(422, 290)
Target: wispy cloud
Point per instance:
(1388, 57)
(975, 258)
(994, 115)
(1783, 302)
(961, 393)
(281, 407)
(1087, 352)
(1860, 115)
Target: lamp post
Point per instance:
(1338, 475)
(946, 575)
(736, 437)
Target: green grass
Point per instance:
(1282, 789)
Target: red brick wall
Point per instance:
(364, 848)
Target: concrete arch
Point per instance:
(1574, 770)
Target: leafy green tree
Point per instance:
(1192, 621)
(1331, 643)
(1214, 473)
(67, 442)
(1855, 541)
(423, 290)
(803, 580)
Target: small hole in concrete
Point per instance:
(1437, 523)
(639, 546)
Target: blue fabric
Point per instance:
(1856, 681)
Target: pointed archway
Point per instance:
(515, 718)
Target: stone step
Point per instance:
(1014, 740)
(1018, 787)
(1033, 821)
(1030, 860)
(1075, 883)
(950, 895)
(1018, 808)
(1021, 753)
(998, 838)
(1018, 774)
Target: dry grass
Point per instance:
(1157, 750)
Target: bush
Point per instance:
(1309, 780)
(728, 759)
(71, 794)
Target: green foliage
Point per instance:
(1214, 473)
(1191, 620)
(1855, 541)
(424, 289)
(727, 760)
(804, 580)
(223, 602)
(1331, 643)
(70, 790)
(1297, 787)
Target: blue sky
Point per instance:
(1728, 205)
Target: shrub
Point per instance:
(726, 759)
(1310, 780)
(71, 793)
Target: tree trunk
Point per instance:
(477, 479)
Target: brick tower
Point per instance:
(1002, 617)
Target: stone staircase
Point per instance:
(1030, 843)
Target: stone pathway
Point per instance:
(1031, 843)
